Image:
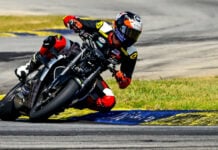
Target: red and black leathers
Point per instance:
(127, 56)
(102, 98)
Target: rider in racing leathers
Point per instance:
(118, 39)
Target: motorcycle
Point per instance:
(59, 83)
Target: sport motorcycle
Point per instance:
(59, 83)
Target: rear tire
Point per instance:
(61, 101)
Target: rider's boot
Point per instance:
(34, 63)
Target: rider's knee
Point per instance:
(49, 42)
(105, 103)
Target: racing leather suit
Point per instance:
(102, 97)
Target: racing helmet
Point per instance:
(127, 28)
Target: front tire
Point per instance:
(8, 111)
(63, 98)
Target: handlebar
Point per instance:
(89, 43)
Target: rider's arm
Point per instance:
(76, 24)
(127, 67)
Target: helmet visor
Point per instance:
(127, 36)
(132, 34)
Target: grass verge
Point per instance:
(190, 119)
(169, 94)
(32, 24)
(29, 23)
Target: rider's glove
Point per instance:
(122, 80)
(71, 22)
(22, 72)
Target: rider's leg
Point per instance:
(60, 43)
(101, 99)
(22, 73)
(34, 63)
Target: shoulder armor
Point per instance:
(132, 52)
(99, 24)
(103, 26)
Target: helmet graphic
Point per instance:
(127, 28)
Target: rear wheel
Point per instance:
(8, 111)
(47, 106)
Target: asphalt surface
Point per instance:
(180, 39)
(75, 135)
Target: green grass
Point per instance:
(29, 24)
(175, 94)
(188, 119)
(21, 23)
(32, 24)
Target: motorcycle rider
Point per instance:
(115, 40)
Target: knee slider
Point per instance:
(106, 102)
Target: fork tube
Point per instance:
(92, 76)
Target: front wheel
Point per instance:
(44, 107)
(8, 112)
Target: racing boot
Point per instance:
(23, 71)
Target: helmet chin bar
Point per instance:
(119, 35)
(125, 42)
